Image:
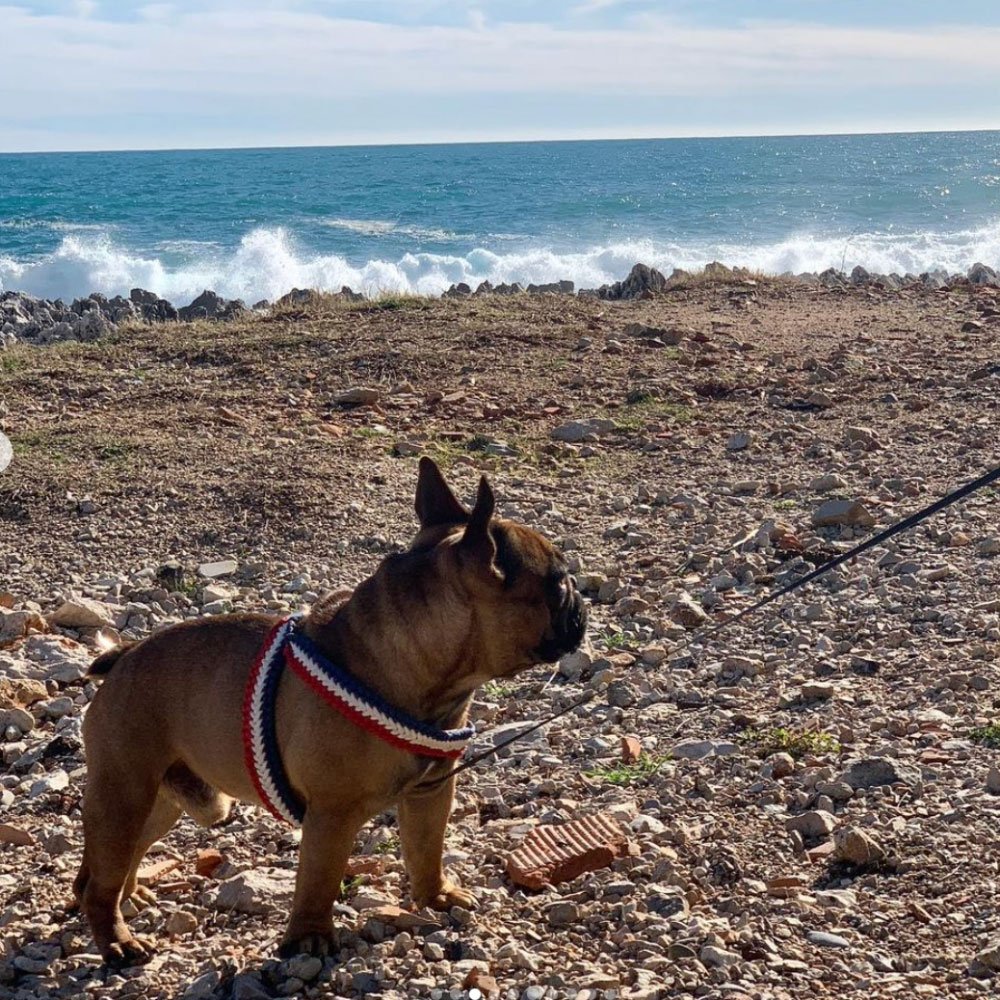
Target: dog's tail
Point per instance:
(103, 664)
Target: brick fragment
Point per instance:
(553, 854)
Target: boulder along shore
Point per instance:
(806, 804)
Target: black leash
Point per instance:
(900, 526)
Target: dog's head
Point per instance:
(524, 601)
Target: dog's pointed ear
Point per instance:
(477, 537)
(436, 504)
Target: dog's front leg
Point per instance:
(327, 839)
(423, 817)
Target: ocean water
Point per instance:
(254, 223)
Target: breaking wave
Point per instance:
(269, 262)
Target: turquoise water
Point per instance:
(254, 223)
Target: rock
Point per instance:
(699, 749)
(396, 916)
(642, 282)
(740, 441)
(15, 625)
(989, 546)
(685, 612)
(827, 483)
(549, 855)
(981, 274)
(358, 396)
(989, 957)
(257, 891)
(208, 305)
(856, 847)
(993, 780)
(817, 691)
(181, 923)
(871, 772)
(843, 512)
(782, 765)
(718, 958)
(814, 825)
(81, 612)
(15, 835)
(213, 570)
(581, 430)
(563, 914)
(17, 718)
(574, 665)
(304, 967)
(669, 336)
(825, 940)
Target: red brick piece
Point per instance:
(208, 862)
(553, 854)
(631, 750)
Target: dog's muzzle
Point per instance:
(569, 626)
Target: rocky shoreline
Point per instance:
(26, 318)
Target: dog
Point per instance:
(474, 598)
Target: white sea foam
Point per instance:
(268, 262)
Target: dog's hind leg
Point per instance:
(116, 808)
(166, 812)
(203, 803)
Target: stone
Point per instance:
(718, 958)
(550, 855)
(699, 749)
(304, 967)
(15, 835)
(82, 612)
(826, 940)
(989, 957)
(817, 691)
(782, 765)
(989, 546)
(213, 570)
(642, 282)
(563, 914)
(993, 780)
(357, 396)
(813, 825)
(181, 923)
(581, 430)
(685, 612)
(258, 891)
(843, 512)
(740, 441)
(856, 847)
(872, 772)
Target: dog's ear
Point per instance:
(436, 504)
(477, 538)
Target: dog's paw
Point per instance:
(142, 898)
(132, 951)
(449, 895)
(319, 943)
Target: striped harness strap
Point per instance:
(284, 646)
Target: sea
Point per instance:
(254, 223)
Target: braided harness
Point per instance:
(285, 646)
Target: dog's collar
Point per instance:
(341, 691)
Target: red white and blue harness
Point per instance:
(285, 646)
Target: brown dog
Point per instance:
(474, 598)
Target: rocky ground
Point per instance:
(808, 803)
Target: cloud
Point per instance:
(253, 59)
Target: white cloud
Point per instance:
(252, 56)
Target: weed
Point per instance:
(625, 775)
(349, 886)
(796, 742)
(388, 846)
(785, 504)
(987, 736)
(496, 690)
(614, 640)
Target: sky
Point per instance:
(103, 74)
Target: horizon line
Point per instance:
(838, 133)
